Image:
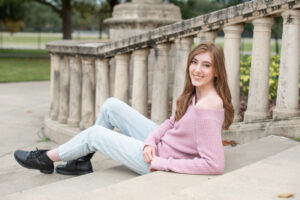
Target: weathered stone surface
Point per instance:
(244, 12)
(121, 77)
(138, 17)
(183, 48)
(140, 81)
(232, 43)
(54, 86)
(258, 97)
(102, 83)
(159, 108)
(75, 91)
(88, 93)
(64, 71)
(287, 103)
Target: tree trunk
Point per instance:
(66, 19)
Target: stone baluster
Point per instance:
(258, 102)
(122, 77)
(88, 93)
(55, 86)
(232, 43)
(140, 81)
(288, 89)
(102, 83)
(64, 71)
(159, 108)
(207, 36)
(183, 48)
(75, 91)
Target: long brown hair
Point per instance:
(220, 82)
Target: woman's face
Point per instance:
(201, 70)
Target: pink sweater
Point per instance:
(192, 145)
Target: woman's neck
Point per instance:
(205, 91)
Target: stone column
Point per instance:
(258, 102)
(88, 93)
(159, 108)
(140, 81)
(102, 83)
(64, 71)
(288, 89)
(232, 43)
(122, 77)
(207, 36)
(75, 91)
(183, 48)
(54, 91)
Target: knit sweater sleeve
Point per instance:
(210, 159)
(154, 137)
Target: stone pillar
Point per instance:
(75, 91)
(55, 86)
(159, 108)
(207, 36)
(258, 102)
(122, 77)
(288, 89)
(140, 81)
(88, 93)
(183, 48)
(232, 43)
(102, 83)
(64, 71)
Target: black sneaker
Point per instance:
(79, 166)
(37, 159)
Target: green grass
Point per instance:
(24, 51)
(298, 139)
(32, 40)
(45, 139)
(24, 69)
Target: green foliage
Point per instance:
(298, 139)
(45, 139)
(24, 69)
(41, 18)
(11, 10)
(194, 8)
(273, 75)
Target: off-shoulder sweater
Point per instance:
(191, 145)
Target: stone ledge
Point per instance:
(243, 132)
(240, 132)
(241, 13)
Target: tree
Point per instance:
(64, 9)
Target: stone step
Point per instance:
(156, 185)
(14, 178)
(72, 187)
(160, 185)
(266, 179)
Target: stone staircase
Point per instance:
(260, 169)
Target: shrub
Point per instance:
(273, 75)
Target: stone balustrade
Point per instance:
(80, 80)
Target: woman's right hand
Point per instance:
(148, 154)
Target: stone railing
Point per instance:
(80, 80)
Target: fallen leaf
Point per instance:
(225, 142)
(285, 195)
(29, 111)
(233, 143)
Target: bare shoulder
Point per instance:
(213, 102)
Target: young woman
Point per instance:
(190, 142)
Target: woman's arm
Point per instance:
(210, 150)
(154, 137)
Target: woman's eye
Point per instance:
(206, 65)
(194, 62)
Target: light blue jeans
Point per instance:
(125, 148)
